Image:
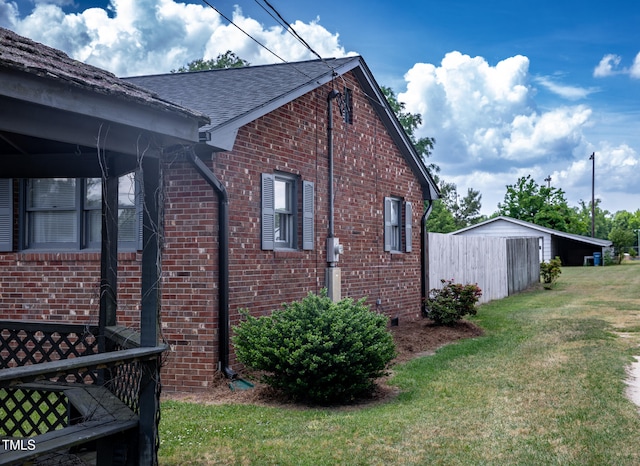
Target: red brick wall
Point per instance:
(292, 139)
(61, 286)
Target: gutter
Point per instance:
(424, 256)
(223, 260)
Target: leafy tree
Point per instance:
(602, 220)
(467, 211)
(453, 212)
(539, 204)
(626, 220)
(441, 219)
(222, 61)
(410, 122)
(622, 240)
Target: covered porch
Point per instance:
(91, 385)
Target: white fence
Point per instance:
(500, 266)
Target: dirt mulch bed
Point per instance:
(420, 337)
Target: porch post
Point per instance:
(108, 255)
(150, 308)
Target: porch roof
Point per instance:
(56, 113)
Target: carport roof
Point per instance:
(533, 226)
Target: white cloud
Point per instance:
(607, 66)
(156, 36)
(635, 68)
(615, 184)
(489, 131)
(564, 91)
(483, 116)
(614, 168)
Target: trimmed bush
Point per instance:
(550, 271)
(316, 350)
(449, 304)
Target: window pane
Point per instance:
(52, 193)
(126, 213)
(395, 213)
(127, 230)
(282, 201)
(54, 227)
(127, 190)
(94, 225)
(282, 227)
(93, 195)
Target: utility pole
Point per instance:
(548, 180)
(593, 199)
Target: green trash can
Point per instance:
(597, 258)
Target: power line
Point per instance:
(248, 35)
(280, 20)
(288, 26)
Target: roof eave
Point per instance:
(533, 226)
(41, 98)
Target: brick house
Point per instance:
(303, 180)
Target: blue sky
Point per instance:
(507, 88)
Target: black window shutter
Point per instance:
(268, 211)
(308, 198)
(408, 217)
(6, 214)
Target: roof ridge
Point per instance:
(252, 67)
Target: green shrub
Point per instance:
(550, 271)
(449, 304)
(317, 350)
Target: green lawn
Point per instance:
(545, 385)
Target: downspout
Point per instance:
(424, 255)
(223, 260)
(333, 278)
(332, 95)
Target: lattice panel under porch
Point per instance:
(26, 413)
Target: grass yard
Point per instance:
(544, 385)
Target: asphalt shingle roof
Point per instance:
(234, 97)
(227, 94)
